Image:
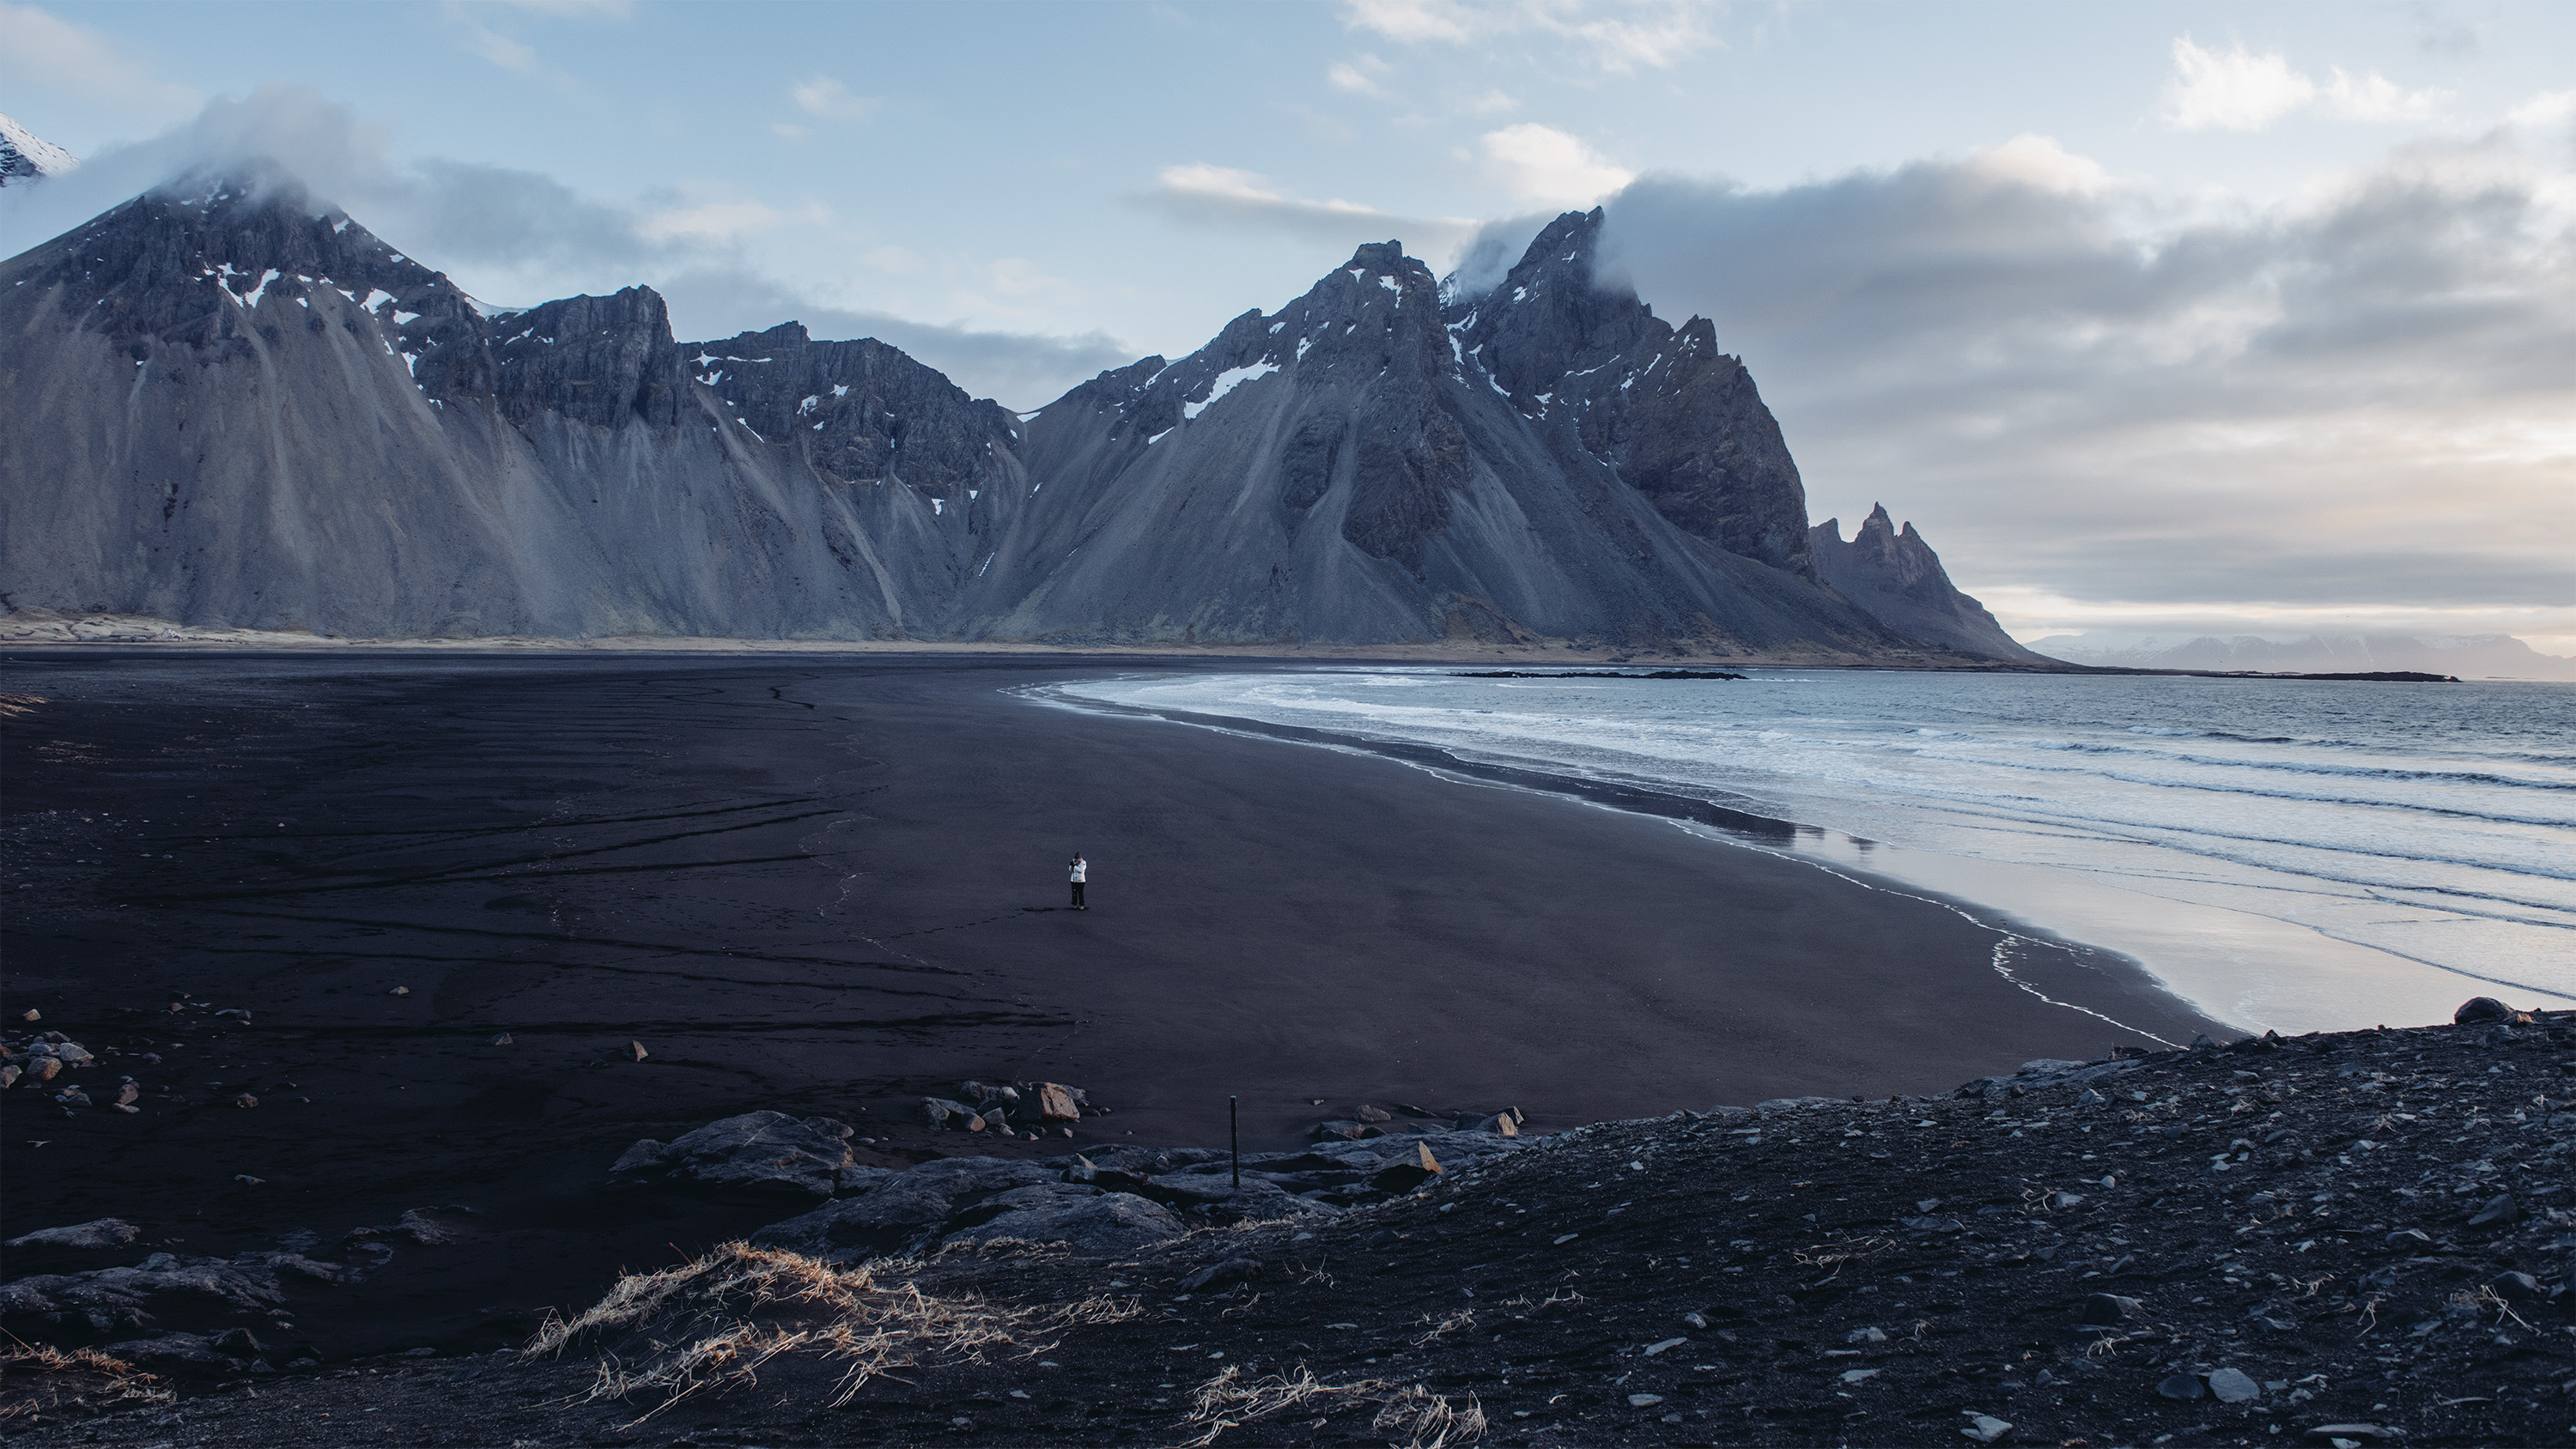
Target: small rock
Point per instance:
(2181, 1386)
(503, 1040)
(1374, 1114)
(1854, 1376)
(2520, 1287)
(1985, 1428)
(246, 1180)
(2499, 1209)
(1872, 1334)
(2234, 1386)
(32, 1015)
(1695, 1319)
(9, 1075)
(2348, 1431)
(245, 1100)
(2110, 1310)
(1642, 1401)
(397, 991)
(97, 1233)
(939, 1110)
(1220, 1275)
(2202, 1041)
(126, 1095)
(636, 1050)
(2410, 1238)
(41, 1070)
(1652, 1349)
(72, 1097)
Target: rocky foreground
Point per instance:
(2348, 1239)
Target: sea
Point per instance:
(2288, 855)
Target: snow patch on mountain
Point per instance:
(26, 156)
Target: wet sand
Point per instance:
(829, 885)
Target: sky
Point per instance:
(2155, 319)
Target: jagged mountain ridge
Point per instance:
(232, 406)
(1896, 576)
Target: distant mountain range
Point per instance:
(229, 404)
(2470, 656)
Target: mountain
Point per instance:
(1367, 465)
(2469, 656)
(26, 156)
(229, 405)
(1899, 579)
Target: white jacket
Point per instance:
(1080, 866)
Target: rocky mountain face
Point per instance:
(229, 405)
(1897, 577)
(26, 156)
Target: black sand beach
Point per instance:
(827, 886)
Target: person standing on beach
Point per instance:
(1081, 868)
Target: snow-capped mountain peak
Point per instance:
(26, 156)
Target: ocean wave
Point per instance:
(2310, 767)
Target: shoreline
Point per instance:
(1722, 825)
(2198, 950)
(830, 888)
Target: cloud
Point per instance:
(2356, 401)
(827, 98)
(497, 48)
(1359, 75)
(517, 237)
(573, 9)
(45, 52)
(2239, 90)
(721, 221)
(1204, 194)
(1614, 37)
(1541, 164)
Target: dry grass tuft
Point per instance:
(40, 1378)
(1423, 1418)
(714, 1323)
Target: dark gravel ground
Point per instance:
(1915, 1271)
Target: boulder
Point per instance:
(99, 1233)
(940, 1111)
(984, 1094)
(2486, 1010)
(1055, 1103)
(170, 1353)
(132, 1297)
(889, 1212)
(1096, 1226)
(763, 1153)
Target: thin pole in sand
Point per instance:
(1234, 1134)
